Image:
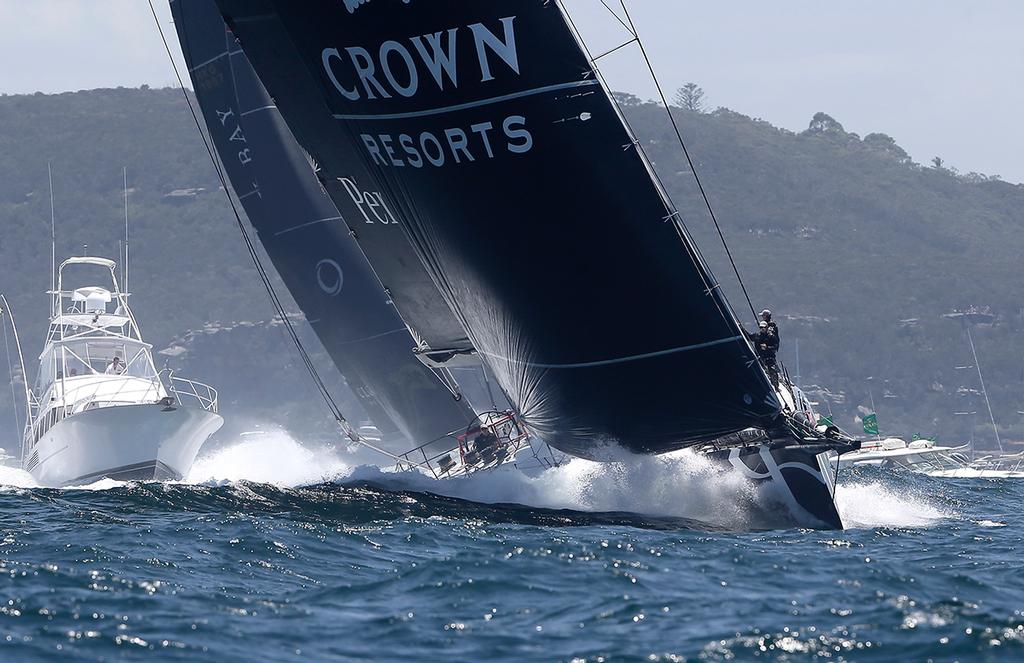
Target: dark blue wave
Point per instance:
(362, 570)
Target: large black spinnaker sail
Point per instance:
(307, 240)
(482, 126)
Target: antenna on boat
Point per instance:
(53, 241)
(797, 376)
(124, 278)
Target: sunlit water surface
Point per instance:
(271, 551)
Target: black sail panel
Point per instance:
(368, 213)
(523, 194)
(307, 239)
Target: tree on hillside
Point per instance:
(885, 143)
(823, 123)
(690, 97)
(626, 99)
(938, 163)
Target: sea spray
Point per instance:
(867, 503)
(681, 484)
(272, 457)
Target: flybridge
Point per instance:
(402, 68)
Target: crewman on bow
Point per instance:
(766, 344)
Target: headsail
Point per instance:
(309, 243)
(525, 197)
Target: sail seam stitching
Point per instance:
(308, 223)
(212, 60)
(470, 104)
(257, 110)
(619, 360)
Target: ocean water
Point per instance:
(272, 551)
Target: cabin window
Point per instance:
(96, 358)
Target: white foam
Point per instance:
(15, 477)
(867, 504)
(679, 484)
(100, 484)
(18, 479)
(272, 457)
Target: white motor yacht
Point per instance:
(997, 466)
(99, 408)
(922, 456)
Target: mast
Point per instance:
(984, 392)
(53, 245)
(124, 278)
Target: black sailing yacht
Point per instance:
(513, 219)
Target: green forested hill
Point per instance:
(860, 251)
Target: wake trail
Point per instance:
(681, 484)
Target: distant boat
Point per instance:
(1000, 466)
(99, 408)
(922, 456)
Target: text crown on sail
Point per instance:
(395, 67)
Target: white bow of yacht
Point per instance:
(99, 408)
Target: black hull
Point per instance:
(800, 476)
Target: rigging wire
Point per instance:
(686, 151)
(307, 361)
(710, 283)
(10, 372)
(984, 391)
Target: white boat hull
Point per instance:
(127, 442)
(976, 473)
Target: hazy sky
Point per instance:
(941, 77)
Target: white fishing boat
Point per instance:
(99, 408)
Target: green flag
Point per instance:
(871, 424)
(825, 421)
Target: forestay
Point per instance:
(480, 128)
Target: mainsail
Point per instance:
(308, 241)
(527, 201)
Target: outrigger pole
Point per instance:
(6, 308)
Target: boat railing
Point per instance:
(128, 392)
(185, 390)
(487, 443)
(1000, 462)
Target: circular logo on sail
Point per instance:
(329, 276)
